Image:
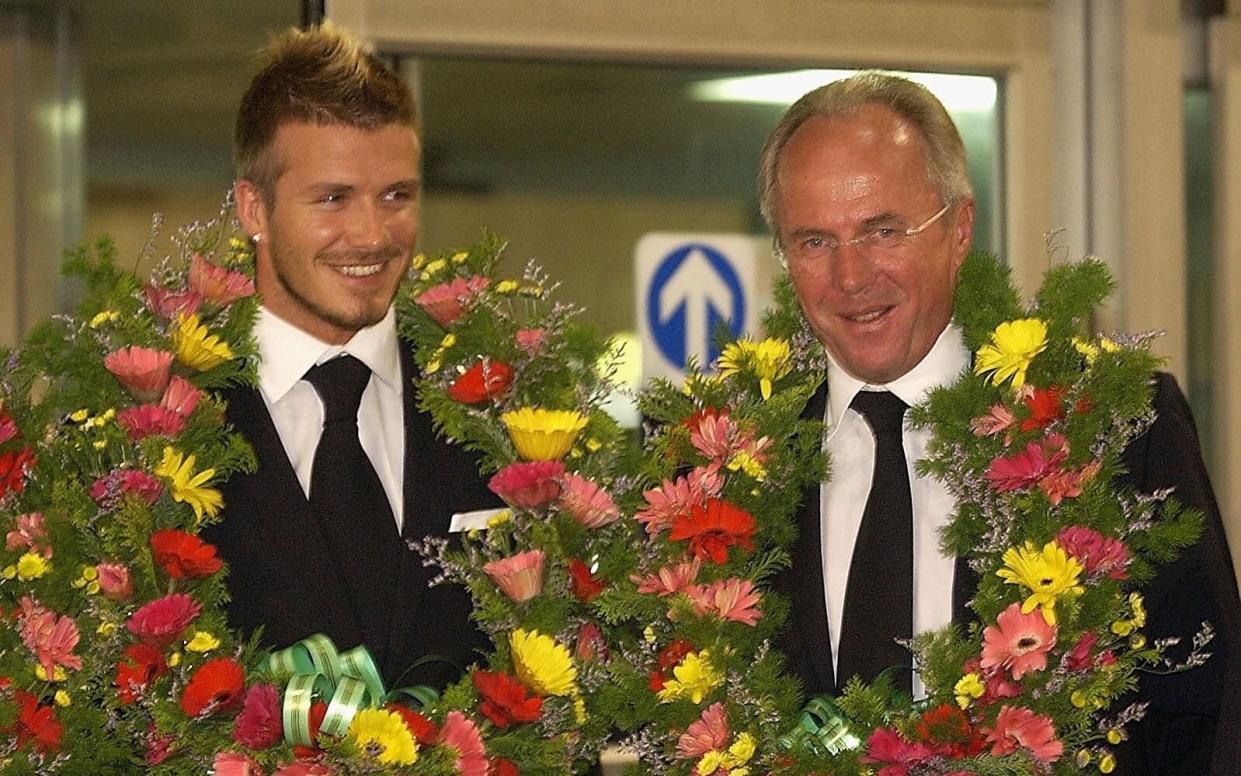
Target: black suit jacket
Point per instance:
(285, 577)
(1193, 724)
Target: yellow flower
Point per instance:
(382, 736)
(62, 698)
(1091, 351)
(102, 317)
(697, 382)
(106, 629)
(693, 678)
(202, 642)
(449, 340)
(543, 665)
(58, 674)
(710, 762)
(196, 347)
(1126, 627)
(459, 258)
(174, 659)
(543, 435)
(1014, 344)
(968, 689)
(419, 261)
(740, 752)
(768, 360)
(1107, 763)
(188, 487)
(507, 286)
(747, 463)
(500, 518)
(79, 416)
(579, 709)
(32, 565)
(1048, 574)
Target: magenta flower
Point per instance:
(148, 420)
(1029, 466)
(705, 734)
(8, 427)
(729, 599)
(167, 304)
(590, 643)
(447, 302)
(1017, 641)
(108, 489)
(674, 498)
(216, 284)
(886, 747)
(114, 581)
(520, 577)
(51, 637)
(587, 502)
(527, 484)
(1017, 727)
(259, 724)
(141, 371)
(670, 579)
(162, 621)
(1097, 553)
(181, 397)
(461, 735)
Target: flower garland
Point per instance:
(624, 588)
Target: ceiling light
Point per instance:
(956, 92)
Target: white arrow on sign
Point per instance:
(697, 285)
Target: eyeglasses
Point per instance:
(884, 237)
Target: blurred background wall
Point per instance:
(573, 128)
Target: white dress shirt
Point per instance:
(842, 499)
(287, 353)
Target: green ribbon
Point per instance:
(349, 681)
(821, 727)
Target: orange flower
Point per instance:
(520, 577)
(585, 586)
(504, 699)
(141, 666)
(712, 528)
(216, 284)
(183, 555)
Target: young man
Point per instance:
(349, 470)
(864, 185)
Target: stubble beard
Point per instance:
(357, 321)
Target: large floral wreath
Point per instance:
(626, 587)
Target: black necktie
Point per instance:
(348, 500)
(879, 597)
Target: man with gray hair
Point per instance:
(864, 185)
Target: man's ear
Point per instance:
(963, 232)
(251, 208)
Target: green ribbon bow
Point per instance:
(821, 727)
(350, 680)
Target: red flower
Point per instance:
(886, 746)
(1045, 406)
(159, 746)
(215, 686)
(183, 555)
(485, 380)
(426, 731)
(108, 489)
(318, 712)
(8, 427)
(713, 528)
(259, 724)
(1024, 469)
(591, 645)
(504, 699)
(948, 730)
(1097, 553)
(585, 586)
(141, 666)
(14, 466)
(161, 622)
(503, 767)
(671, 656)
(527, 484)
(36, 724)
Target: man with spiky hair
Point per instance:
(864, 185)
(349, 470)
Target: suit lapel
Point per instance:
(807, 591)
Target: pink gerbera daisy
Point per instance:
(729, 599)
(447, 302)
(674, 498)
(147, 420)
(28, 535)
(1029, 466)
(460, 734)
(162, 621)
(1017, 727)
(1017, 641)
(705, 734)
(181, 396)
(520, 577)
(587, 502)
(670, 579)
(51, 637)
(167, 303)
(141, 371)
(216, 284)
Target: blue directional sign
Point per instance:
(694, 290)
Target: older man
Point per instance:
(864, 184)
(349, 469)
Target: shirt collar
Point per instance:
(940, 366)
(286, 352)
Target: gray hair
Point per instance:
(945, 153)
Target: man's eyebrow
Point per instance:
(408, 183)
(807, 231)
(881, 218)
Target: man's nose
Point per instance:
(369, 228)
(852, 268)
